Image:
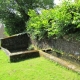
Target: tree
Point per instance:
(14, 13)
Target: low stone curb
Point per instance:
(60, 61)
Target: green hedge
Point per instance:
(58, 22)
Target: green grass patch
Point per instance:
(34, 69)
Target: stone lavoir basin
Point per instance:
(16, 47)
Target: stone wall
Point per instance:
(16, 42)
(67, 47)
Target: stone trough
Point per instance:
(16, 47)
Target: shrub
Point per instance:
(38, 25)
(58, 22)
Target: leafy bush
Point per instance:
(38, 25)
(57, 22)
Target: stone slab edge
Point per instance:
(60, 61)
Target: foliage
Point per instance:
(13, 13)
(12, 18)
(57, 22)
(38, 24)
(14, 25)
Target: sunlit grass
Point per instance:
(34, 69)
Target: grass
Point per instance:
(34, 69)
